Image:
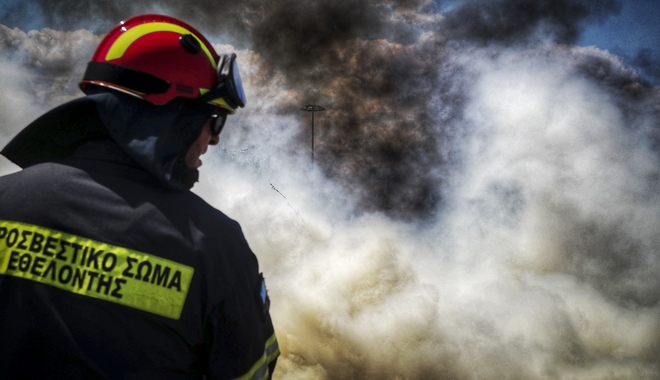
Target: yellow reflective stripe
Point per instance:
(259, 370)
(94, 269)
(127, 38)
(272, 348)
(258, 365)
(219, 101)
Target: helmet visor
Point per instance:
(236, 82)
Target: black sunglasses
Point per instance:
(217, 123)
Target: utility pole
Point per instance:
(312, 108)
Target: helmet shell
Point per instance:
(154, 44)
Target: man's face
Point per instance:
(200, 145)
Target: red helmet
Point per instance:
(159, 58)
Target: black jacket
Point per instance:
(105, 273)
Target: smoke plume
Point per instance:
(486, 196)
(513, 21)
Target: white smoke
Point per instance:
(553, 228)
(36, 74)
(16, 107)
(544, 264)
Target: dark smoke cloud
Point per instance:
(513, 21)
(382, 133)
(376, 134)
(649, 62)
(638, 101)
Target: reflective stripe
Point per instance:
(94, 269)
(126, 39)
(119, 88)
(259, 370)
(272, 349)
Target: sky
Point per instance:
(485, 199)
(633, 34)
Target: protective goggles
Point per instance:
(229, 87)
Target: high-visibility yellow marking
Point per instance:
(219, 101)
(126, 39)
(272, 348)
(94, 269)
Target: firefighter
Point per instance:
(110, 267)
